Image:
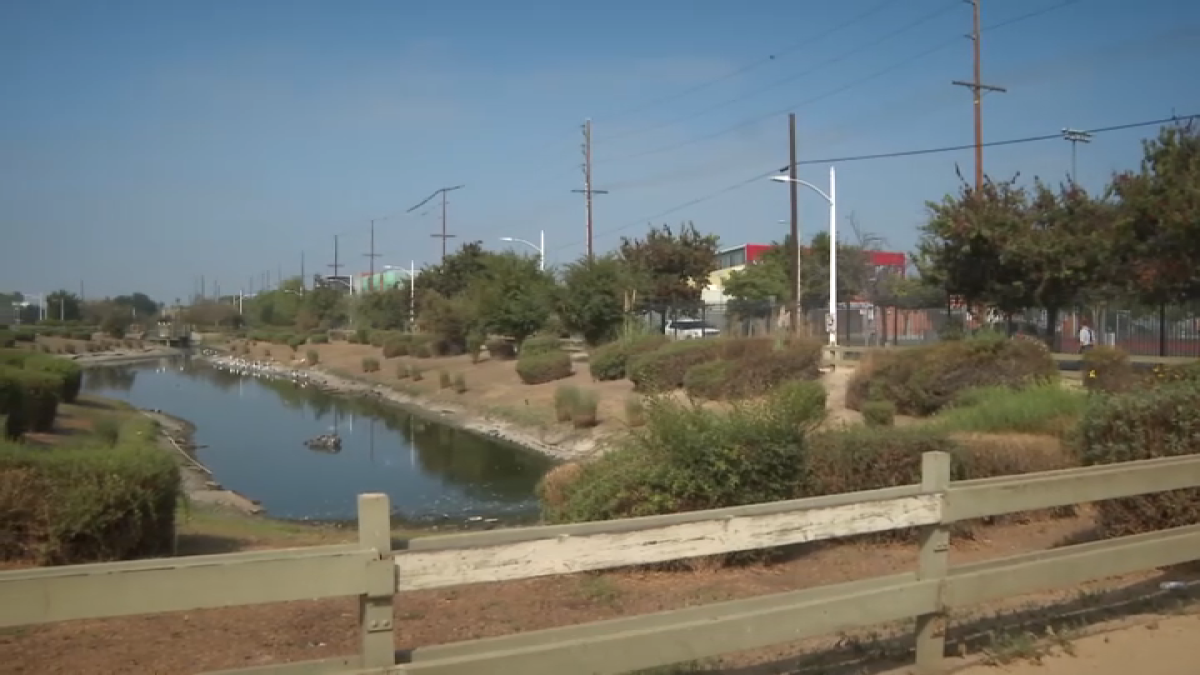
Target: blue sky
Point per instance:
(145, 143)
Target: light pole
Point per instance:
(831, 197)
(412, 291)
(541, 249)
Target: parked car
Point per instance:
(690, 329)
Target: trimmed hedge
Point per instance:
(400, 345)
(545, 367)
(664, 368)
(540, 344)
(500, 349)
(89, 503)
(1107, 369)
(923, 380)
(1159, 422)
(610, 362)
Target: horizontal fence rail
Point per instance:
(375, 570)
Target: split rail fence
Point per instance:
(376, 572)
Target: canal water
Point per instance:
(251, 433)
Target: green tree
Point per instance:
(592, 300)
(1157, 229)
(673, 266)
(63, 305)
(387, 309)
(970, 246)
(767, 281)
(454, 275)
(512, 296)
(143, 305)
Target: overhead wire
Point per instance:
(885, 155)
(850, 85)
(813, 68)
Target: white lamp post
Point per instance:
(541, 249)
(831, 197)
(412, 290)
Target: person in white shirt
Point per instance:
(1087, 338)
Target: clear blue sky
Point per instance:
(144, 143)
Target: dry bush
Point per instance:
(552, 489)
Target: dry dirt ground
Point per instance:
(194, 642)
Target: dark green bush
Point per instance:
(1145, 424)
(664, 368)
(370, 364)
(475, 346)
(312, 357)
(541, 344)
(319, 339)
(25, 335)
(500, 349)
(42, 392)
(7, 339)
(879, 413)
(397, 346)
(88, 504)
(1107, 369)
(688, 458)
(12, 402)
(709, 380)
(610, 362)
(361, 336)
(70, 372)
(922, 380)
(295, 341)
(545, 367)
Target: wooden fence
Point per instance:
(375, 572)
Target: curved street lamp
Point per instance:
(541, 249)
(831, 197)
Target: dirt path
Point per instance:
(1166, 647)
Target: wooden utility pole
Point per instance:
(336, 262)
(794, 320)
(443, 235)
(587, 190)
(372, 255)
(977, 88)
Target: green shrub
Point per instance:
(1107, 369)
(24, 335)
(82, 504)
(460, 383)
(296, 341)
(12, 402)
(922, 380)
(396, 346)
(319, 339)
(361, 336)
(422, 350)
(565, 397)
(545, 367)
(401, 371)
(585, 410)
(1045, 409)
(500, 349)
(312, 357)
(609, 362)
(879, 413)
(688, 458)
(475, 346)
(635, 411)
(664, 368)
(107, 429)
(540, 344)
(7, 339)
(444, 380)
(414, 373)
(377, 338)
(370, 364)
(709, 380)
(70, 372)
(859, 458)
(1159, 422)
(41, 392)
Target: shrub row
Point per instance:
(31, 387)
(609, 362)
(923, 380)
(88, 503)
(753, 366)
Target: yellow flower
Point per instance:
(1092, 374)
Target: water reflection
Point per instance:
(254, 430)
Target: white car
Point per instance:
(690, 329)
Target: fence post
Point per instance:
(375, 604)
(934, 557)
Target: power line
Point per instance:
(443, 235)
(816, 67)
(889, 155)
(850, 85)
(807, 42)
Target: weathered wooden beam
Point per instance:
(663, 539)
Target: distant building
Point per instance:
(736, 258)
(391, 277)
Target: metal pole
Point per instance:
(412, 295)
(833, 289)
(542, 250)
(794, 322)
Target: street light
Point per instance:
(831, 197)
(540, 249)
(412, 291)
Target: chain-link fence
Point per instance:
(1170, 331)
